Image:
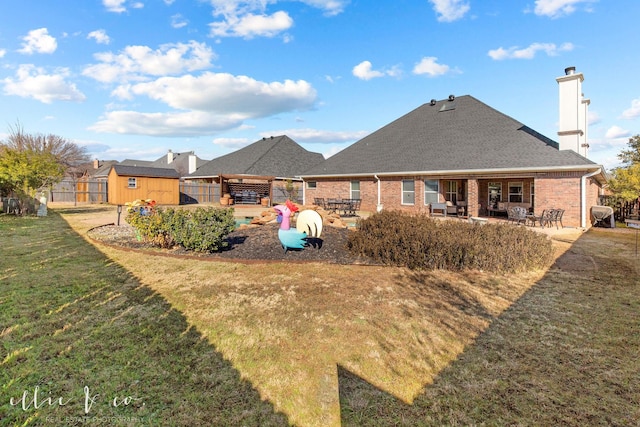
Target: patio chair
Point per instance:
(556, 217)
(451, 208)
(517, 214)
(542, 219)
(319, 201)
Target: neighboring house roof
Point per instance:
(103, 169)
(144, 171)
(278, 156)
(180, 162)
(134, 162)
(460, 134)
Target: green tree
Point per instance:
(31, 162)
(625, 182)
(632, 155)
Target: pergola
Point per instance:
(236, 184)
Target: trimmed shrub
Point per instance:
(200, 230)
(420, 242)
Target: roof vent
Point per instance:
(570, 70)
(451, 97)
(433, 102)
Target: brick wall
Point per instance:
(552, 191)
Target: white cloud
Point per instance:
(38, 41)
(330, 7)
(551, 49)
(615, 132)
(232, 142)
(114, 5)
(138, 62)
(191, 123)
(593, 118)
(178, 21)
(316, 136)
(365, 71)
(558, 8)
(428, 65)
(3, 52)
(249, 18)
(207, 103)
(449, 10)
(227, 94)
(633, 111)
(100, 36)
(32, 82)
(252, 25)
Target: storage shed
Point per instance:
(128, 183)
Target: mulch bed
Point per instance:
(254, 244)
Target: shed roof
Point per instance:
(459, 134)
(144, 171)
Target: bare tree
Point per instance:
(69, 154)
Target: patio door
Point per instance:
(452, 192)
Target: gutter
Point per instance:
(458, 172)
(583, 194)
(378, 205)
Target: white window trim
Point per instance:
(521, 193)
(402, 192)
(437, 192)
(498, 184)
(135, 182)
(351, 190)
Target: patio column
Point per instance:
(473, 207)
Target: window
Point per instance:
(495, 194)
(532, 195)
(311, 185)
(132, 183)
(408, 192)
(355, 189)
(452, 192)
(431, 191)
(515, 192)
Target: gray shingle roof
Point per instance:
(180, 162)
(124, 170)
(463, 134)
(278, 156)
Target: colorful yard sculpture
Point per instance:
(307, 231)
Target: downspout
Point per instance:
(378, 205)
(583, 196)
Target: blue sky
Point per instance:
(133, 79)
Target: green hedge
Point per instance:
(200, 230)
(420, 242)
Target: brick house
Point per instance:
(462, 151)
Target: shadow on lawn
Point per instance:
(83, 338)
(565, 353)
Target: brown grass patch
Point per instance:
(286, 327)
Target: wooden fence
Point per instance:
(95, 191)
(622, 209)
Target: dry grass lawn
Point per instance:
(285, 328)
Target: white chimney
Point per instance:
(170, 157)
(192, 163)
(574, 109)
